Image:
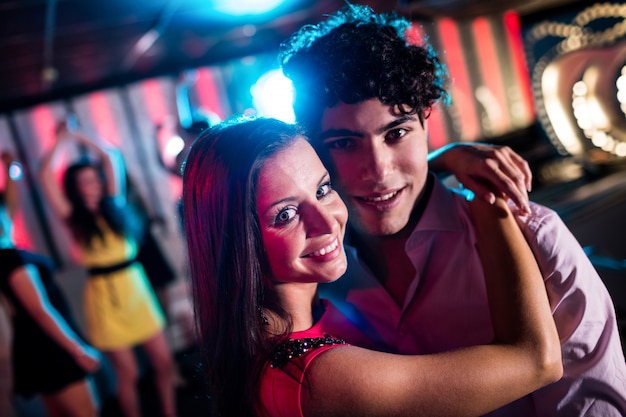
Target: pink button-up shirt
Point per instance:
(446, 306)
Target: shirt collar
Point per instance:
(440, 212)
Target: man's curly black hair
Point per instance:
(356, 55)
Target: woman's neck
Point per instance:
(300, 301)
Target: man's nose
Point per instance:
(377, 162)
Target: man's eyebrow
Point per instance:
(333, 133)
(397, 122)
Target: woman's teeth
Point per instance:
(327, 249)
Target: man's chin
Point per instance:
(377, 227)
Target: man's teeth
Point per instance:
(326, 250)
(380, 198)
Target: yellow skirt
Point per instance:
(121, 309)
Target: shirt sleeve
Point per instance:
(584, 313)
(281, 388)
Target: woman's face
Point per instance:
(302, 218)
(90, 187)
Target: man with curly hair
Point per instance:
(414, 283)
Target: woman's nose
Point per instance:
(320, 220)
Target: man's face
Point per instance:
(379, 159)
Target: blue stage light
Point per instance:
(247, 7)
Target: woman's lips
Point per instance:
(326, 251)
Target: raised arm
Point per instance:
(524, 356)
(51, 189)
(27, 286)
(487, 170)
(112, 164)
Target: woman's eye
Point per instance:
(285, 215)
(323, 190)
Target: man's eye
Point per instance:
(285, 215)
(323, 191)
(396, 134)
(343, 143)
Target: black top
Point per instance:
(40, 365)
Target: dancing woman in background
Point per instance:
(121, 310)
(49, 358)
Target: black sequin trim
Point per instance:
(294, 348)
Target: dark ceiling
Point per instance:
(55, 48)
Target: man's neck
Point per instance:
(387, 259)
(386, 255)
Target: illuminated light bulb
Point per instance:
(15, 171)
(173, 147)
